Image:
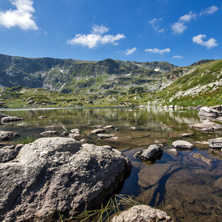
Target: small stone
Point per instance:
(152, 152)
(108, 127)
(76, 131)
(49, 133)
(187, 134)
(182, 144)
(96, 131)
(8, 135)
(105, 135)
(137, 154)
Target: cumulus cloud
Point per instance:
(22, 16)
(177, 57)
(96, 38)
(212, 42)
(130, 51)
(158, 51)
(154, 22)
(179, 26)
(99, 29)
(209, 10)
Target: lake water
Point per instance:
(187, 186)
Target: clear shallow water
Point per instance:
(188, 186)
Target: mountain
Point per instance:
(198, 84)
(68, 75)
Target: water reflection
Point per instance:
(187, 186)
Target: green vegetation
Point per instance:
(113, 206)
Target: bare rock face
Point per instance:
(9, 119)
(58, 174)
(8, 135)
(153, 152)
(142, 213)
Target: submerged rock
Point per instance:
(8, 135)
(182, 144)
(58, 174)
(9, 119)
(142, 213)
(154, 151)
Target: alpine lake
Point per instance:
(187, 186)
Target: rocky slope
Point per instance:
(68, 75)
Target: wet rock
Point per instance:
(209, 112)
(215, 143)
(218, 183)
(142, 213)
(208, 126)
(96, 131)
(9, 119)
(49, 133)
(187, 134)
(153, 151)
(182, 144)
(8, 135)
(57, 173)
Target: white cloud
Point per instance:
(99, 29)
(187, 17)
(209, 44)
(155, 26)
(96, 38)
(209, 10)
(179, 26)
(177, 57)
(22, 16)
(130, 51)
(158, 51)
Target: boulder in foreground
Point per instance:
(58, 173)
(142, 213)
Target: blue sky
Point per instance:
(180, 32)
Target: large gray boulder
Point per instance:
(153, 152)
(215, 143)
(10, 119)
(142, 213)
(8, 135)
(58, 174)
